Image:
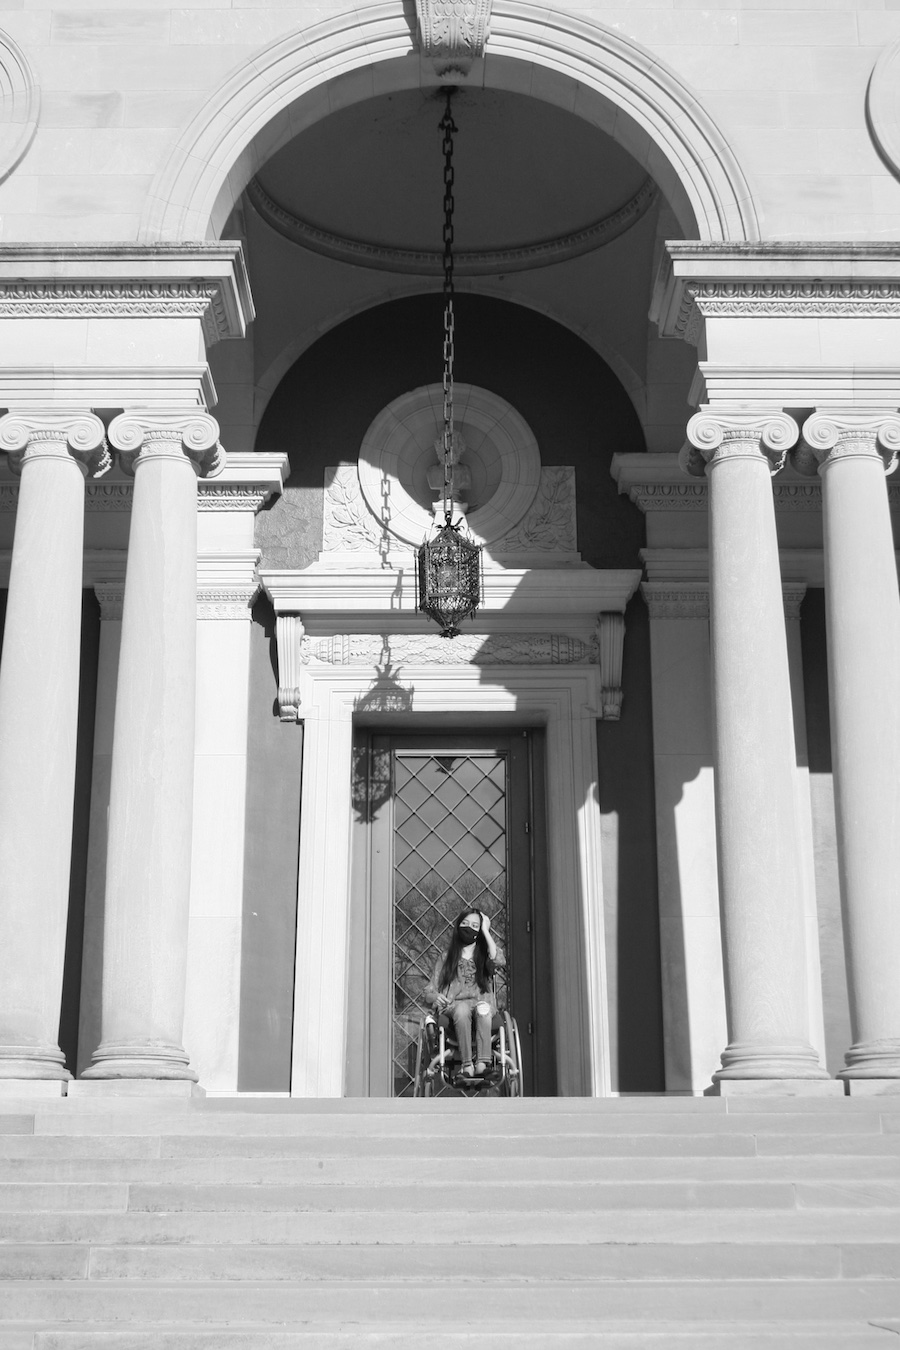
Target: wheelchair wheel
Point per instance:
(423, 1086)
(513, 1084)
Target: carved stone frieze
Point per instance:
(453, 33)
(549, 524)
(117, 300)
(430, 649)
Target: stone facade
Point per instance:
(680, 397)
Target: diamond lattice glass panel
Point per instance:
(449, 853)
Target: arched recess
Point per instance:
(575, 63)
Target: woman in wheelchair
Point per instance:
(462, 990)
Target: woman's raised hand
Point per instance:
(485, 922)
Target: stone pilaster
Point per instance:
(52, 452)
(760, 880)
(851, 452)
(151, 792)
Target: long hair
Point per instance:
(484, 966)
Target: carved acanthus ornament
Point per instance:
(348, 525)
(508, 649)
(453, 33)
(167, 434)
(25, 436)
(118, 300)
(549, 525)
(828, 437)
(716, 436)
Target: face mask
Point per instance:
(467, 935)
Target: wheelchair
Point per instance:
(504, 1076)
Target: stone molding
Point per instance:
(828, 437)
(228, 497)
(714, 436)
(299, 652)
(676, 602)
(111, 597)
(139, 436)
(453, 33)
(24, 436)
(108, 497)
(35, 388)
(201, 180)
(669, 496)
(230, 603)
(206, 281)
(21, 105)
(467, 262)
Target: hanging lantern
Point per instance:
(449, 570)
(449, 578)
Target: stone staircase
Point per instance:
(622, 1224)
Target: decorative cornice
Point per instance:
(828, 437)
(111, 596)
(141, 435)
(108, 497)
(676, 602)
(467, 262)
(74, 432)
(792, 595)
(228, 497)
(205, 280)
(714, 436)
(669, 496)
(226, 603)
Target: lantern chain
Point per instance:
(448, 127)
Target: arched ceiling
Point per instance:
(527, 172)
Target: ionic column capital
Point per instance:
(828, 437)
(716, 436)
(168, 434)
(60, 433)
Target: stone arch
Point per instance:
(575, 63)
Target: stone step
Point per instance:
(145, 1147)
(399, 1226)
(534, 1263)
(598, 1336)
(494, 1303)
(343, 1168)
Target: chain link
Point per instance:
(448, 127)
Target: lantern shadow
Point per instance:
(370, 778)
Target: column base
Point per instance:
(775, 1087)
(125, 1088)
(872, 1059)
(21, 1088)
(33, 1063)
(872, 1087)
(744, 1060)
(159, 1062)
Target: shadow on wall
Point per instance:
(628, 813)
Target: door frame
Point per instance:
(566, 702)
(370, 992)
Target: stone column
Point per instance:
(851, 451)
(760, 883)
(39, 679)
(148, 871)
